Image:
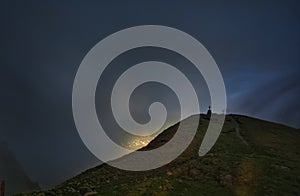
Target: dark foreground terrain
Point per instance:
(12, 172)
(251, 157)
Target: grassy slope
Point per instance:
(269, 165)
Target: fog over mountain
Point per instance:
(13, 174)
(256, 45)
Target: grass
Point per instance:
(269, 165)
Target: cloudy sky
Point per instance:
(255, 43)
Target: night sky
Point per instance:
(256, 45)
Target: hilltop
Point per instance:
(251, 157)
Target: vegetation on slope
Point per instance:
(262, 159)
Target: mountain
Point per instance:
(251, 157)
(12, 172)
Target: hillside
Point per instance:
(251, 157)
